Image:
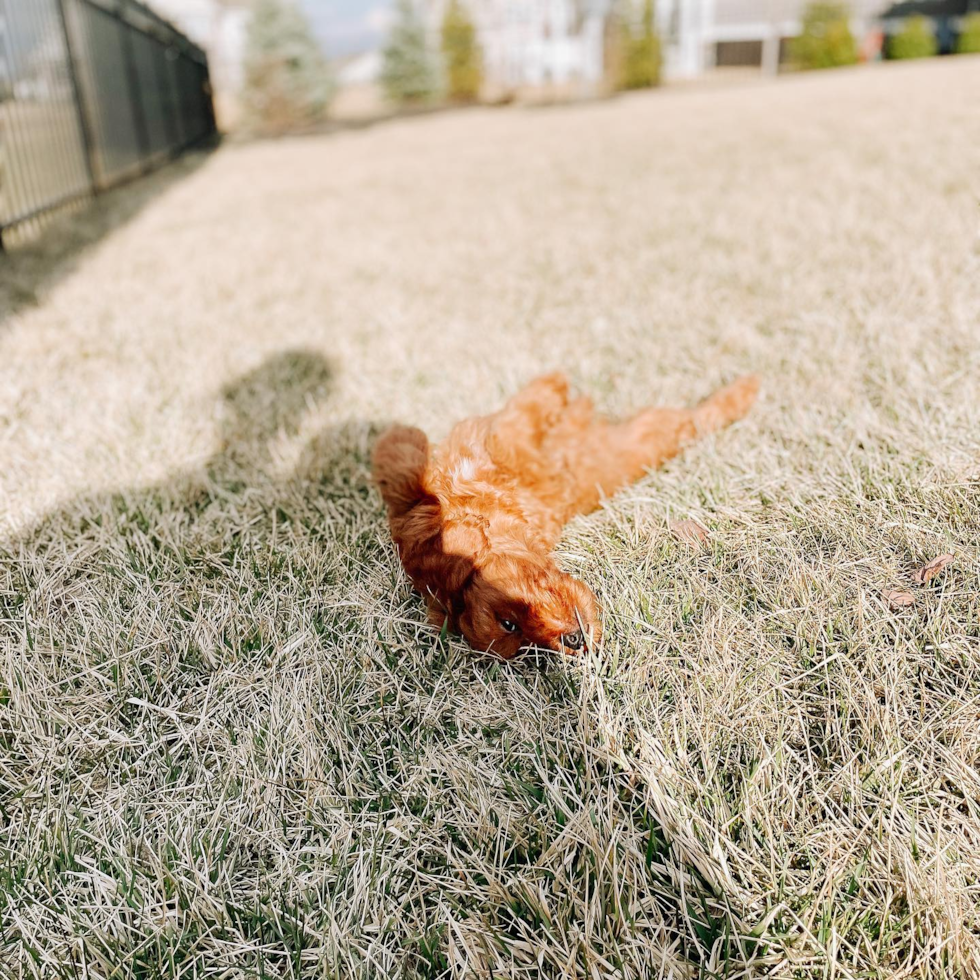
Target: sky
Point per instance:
(346, 27)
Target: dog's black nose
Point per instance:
(573, 641)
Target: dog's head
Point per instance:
(502, 596)
(518, 599)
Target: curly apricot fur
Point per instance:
(476, 518)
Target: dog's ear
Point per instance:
(449, 575)
(399, 462)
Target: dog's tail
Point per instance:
(726, 405)
(399, 462)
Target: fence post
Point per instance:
(84, 127)
(208, 92)
(163, 74)
(133, 85)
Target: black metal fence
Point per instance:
(92, 92)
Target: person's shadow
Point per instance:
(220, 693)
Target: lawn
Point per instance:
(231, 747)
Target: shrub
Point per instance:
(916, 39)
(826, 40)
(407, 74)
(287, 81)
(464, 71)
(969, 40)
(640, 51)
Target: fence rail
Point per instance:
(92, 93)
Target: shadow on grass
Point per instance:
(230, 740)
(28, 271)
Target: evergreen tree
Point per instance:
(826, 40)
(641, 57)
(613, 42)
(916, 39)
(407, 73)
(287, 82)
(464, 72)
(969, 40)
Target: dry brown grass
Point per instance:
(230, 747)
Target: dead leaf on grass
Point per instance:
(690, 532)
(928, 572)
(898, 598)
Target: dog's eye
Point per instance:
(509, 625)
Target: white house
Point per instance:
(701, 34)
(362, 69)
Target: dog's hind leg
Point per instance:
(657, 434)
(610, 455)
(517, 431)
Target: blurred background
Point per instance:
(93, 92)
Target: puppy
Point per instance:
(475, 519)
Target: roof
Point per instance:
(936, 9)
